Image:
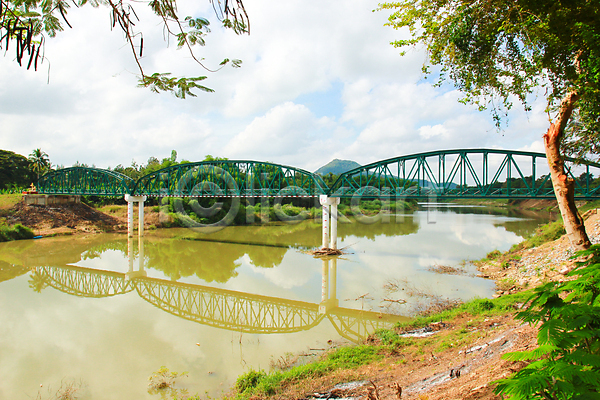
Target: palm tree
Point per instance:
(40, 161)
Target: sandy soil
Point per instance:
(422, 372)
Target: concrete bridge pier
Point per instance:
(130, 200)
(330, 218)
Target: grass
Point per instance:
(546, 233)
(477, 311)
(477, 307)
(589, 206)
(9, 200)
(261, 383)
(117, 209)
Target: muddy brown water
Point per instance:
(99, 314)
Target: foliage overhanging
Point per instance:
(24, 25)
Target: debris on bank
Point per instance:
(342, 391)
(425, 331)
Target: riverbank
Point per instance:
(470, 339)
(420, 360)
(68, 219)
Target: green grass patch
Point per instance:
(391, 339)
(589, 206)
(16, 232)
(545, 233)
(262, 383)
(475, 307)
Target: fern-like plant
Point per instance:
(566, 363)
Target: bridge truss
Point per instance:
(464, 173)
(229, 178)
(83, 282)
(85, 181)
(472, 173)
(229, 309)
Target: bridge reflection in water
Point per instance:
(219, 308)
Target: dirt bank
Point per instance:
(530, 267)
(66, 219)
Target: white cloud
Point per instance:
(298, 51)
(428, 131)
(285, 132)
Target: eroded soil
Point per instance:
(65, 219)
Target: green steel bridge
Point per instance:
(444, 174)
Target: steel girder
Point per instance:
(230, 178)
(85, 181)
(465, 173)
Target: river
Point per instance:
(100, 313)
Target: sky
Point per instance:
(318, 81)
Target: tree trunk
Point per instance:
(564, 187)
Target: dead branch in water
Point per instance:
(326, 252)
(401, 301)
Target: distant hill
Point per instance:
(426, 183)
(337, 167)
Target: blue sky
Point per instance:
(318, 82)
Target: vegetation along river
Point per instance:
(102, 313)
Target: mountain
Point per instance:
(425, 183)
(337, 167)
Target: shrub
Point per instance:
(16, 232)
(543, 234)
(566, 363)
(249, 380)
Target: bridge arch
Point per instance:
(85, 181)
(464, 173)
(230, 178)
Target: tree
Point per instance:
(24, 24)
(40, 163)
(15, 170)
(504, 50)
